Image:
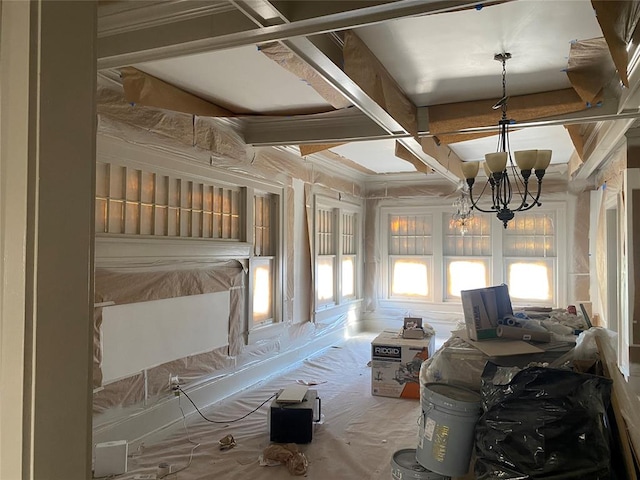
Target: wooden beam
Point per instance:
(403, 153)
(443, 155)
(454, 117)
(362, 66)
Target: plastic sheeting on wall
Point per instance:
(126, 285)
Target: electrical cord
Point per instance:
(228, 421)
(195, 445)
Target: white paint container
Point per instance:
(404, 466)
(447, 428)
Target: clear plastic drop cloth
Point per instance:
(356, 439)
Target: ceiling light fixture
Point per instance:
(498, 164)
(464, 214)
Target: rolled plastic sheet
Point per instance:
(519, 333)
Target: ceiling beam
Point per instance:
(351, 124)
(128, 36)
(334, 127)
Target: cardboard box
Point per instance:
(396, 362)
(482, 308)
(412, 328)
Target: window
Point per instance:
(410, 256)
(139, 202)
(529, 257)
(263, 261)
(337, 249)
(428, 259)
(326, 257)
(467, 257)
(349, 228)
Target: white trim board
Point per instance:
(139, 336)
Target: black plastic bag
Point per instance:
(542, 423)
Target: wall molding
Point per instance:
(118, 250)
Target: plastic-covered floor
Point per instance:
(357, 440)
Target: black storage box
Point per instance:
(293, 422)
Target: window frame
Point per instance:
(276, 198)
(337, 208)
(496, 260)
(435, 288)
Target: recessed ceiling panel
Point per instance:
(376, 155)
(448, 57)
(554, 138)
(242, 80)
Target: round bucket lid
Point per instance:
(406, 458)
(451, 396)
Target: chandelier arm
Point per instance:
(524, 181)
(473, 202)
(535, 202)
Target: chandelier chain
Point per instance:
(504, 87)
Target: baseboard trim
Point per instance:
(147, 426)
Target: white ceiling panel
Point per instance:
(242, 80)
(449, 57)
(553, 138)
(376, 155)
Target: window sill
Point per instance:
(265, 332)
(333, 311)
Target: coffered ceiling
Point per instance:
(389, 85)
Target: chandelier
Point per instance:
(507, 184)
(464, 214)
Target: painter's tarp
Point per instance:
(542, 423)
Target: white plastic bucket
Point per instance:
(447, 428)
(404, 466)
